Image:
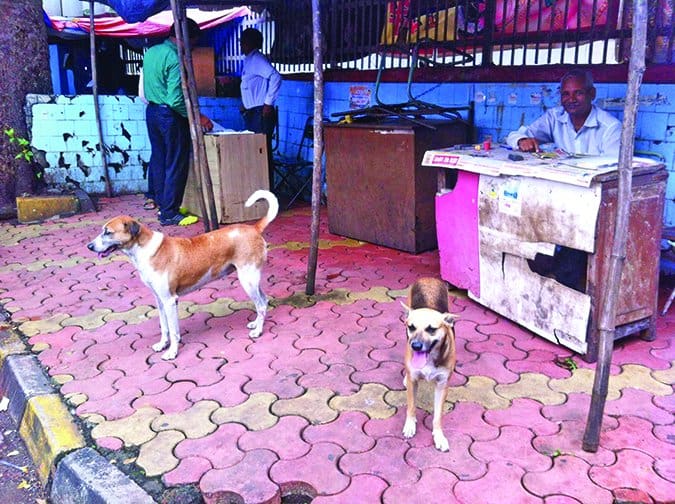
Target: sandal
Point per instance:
(149, 205)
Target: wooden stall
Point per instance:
(238, 166)
(377, 190)
(495, 215)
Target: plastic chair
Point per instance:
(293, 174)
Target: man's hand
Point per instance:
(268, 110)
(205, 123)
(528, 145)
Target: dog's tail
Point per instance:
(272, 211)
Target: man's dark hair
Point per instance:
(193, 29)
(252, 37)
(583, 75)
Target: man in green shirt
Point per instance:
(168, 127)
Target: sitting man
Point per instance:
(577, 127)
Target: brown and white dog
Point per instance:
(430, 352)
(173, 266)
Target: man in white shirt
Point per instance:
(260, 84)
(577, 126)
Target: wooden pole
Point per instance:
(97, 110)
(318, 147)
(607, 322)
(188, 83)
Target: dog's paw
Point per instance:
(255, 333)
(410, 427)
(440, 441)
(160, 345)
(170, 354)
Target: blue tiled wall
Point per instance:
(501, 108)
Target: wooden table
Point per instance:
(377, 190)
(493, 215)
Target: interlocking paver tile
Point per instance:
(386, 460)
(469, 418)
(283, 384)
(346, 431)
(113, 407)
(156, 456)
(257, 366)
(514, 444)
(434, 484)
(150, 381)
(523, 413)
(227, 392)
(189, 470)
(534, 386)
(313, 405)
(284, 438)
(499, 343)
(638, 403)
(568, 442)
(221, 448)
(569, 476)
(666, 376)
(542, 362)
(193, 423)
(389, 374)
(636, 433)
(254, 413)
(491, 365)
(133, 430)
(171, 400)
(479, 389)
(191, 367)
(458, 460)
(336, 377)
(637, 351)
(502, 479)
(318, 468)
(362, 488)
(96, 387)
(357, 356)
(307, 361)
(247, 480)
(369, 400)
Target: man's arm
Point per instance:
(174, 90)
(528, 138)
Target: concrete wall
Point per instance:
(64, 127)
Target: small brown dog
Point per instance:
(430, 353)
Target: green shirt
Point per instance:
(161, 77)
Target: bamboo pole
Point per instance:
(188, 83)
(94, 89)
(318, 147)
(607, 322)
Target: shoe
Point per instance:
(173, 221)
(149, 204)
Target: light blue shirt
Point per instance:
(599, 136)
(260, 81)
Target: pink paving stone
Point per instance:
(435, 485)
(569, 441)
(131, 364)
(574, 408)
(386, 460)
(501, 483)
(497, 343)
(667, 350)
(118, 405)
(220, 447)
(308, 361)
(189, 470)
(665, 402)
(75, 352)
(491, 365)
(522, 413)
(393, 353)
(467, 418)
(281, 345)
(362, 308)
(362, 488)
(635, 350)
(357, 356)
(228, 392)
(283, 384)
(465, 330)
(634, 469)
(458, 459)
(96, 387)
(327, 341)
(258, 365)
(110, 443)
(203, 372)
(303, 325)
(665, 432)
(172, 400)
(336, 378)
(248, 480)
(389, 374)
(284, 438)
(346, 431)
(635, 433)
(514, 444)
(665, 468)
(569, 476)
(561, 499)
(541, 362)
(632, 496)
(223, 348)
(318, 469)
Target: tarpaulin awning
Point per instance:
(156, 25)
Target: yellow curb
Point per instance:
(48, 431)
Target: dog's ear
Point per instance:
(449, 318)
(134, 228)
(405, 307)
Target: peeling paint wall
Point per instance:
(63, 129)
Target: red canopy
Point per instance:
(159, 24)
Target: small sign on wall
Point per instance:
(359, 97)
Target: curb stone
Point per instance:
(54, 441)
